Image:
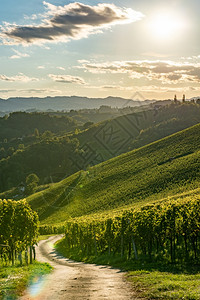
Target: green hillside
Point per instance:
(49, 155)
(50, 159)
(163, 168)
(21, 124)
(131, 131)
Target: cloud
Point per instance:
(31, 91)
(72, 21)
(115, 67)
(6, 91)
(161, 89)
(41, 67)
(110, 87)
(61, 68)
(194, 58)
(32, 17)
(18, 55)
(67, 79)
(18, 78)
(164, 71)
(40, 91)
(155, 54)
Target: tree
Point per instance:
(36, 133)
(87, 125)
(32, 178)
(11, 150)
(32, 181)
(198, 101)
(21, 147)
(77, 131)
(2, 153)
(47, 135)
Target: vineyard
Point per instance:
(135, 178)
(18, 231)
(168, 231)
(141, 208)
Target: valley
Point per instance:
(123, 190)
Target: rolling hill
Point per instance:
(21, 124)
(163, 168)
(108, 139)
(98, 143)
(64, 103)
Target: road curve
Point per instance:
(76, 280)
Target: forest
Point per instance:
(54, 147)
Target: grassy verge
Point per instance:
(150, 280)
(155, 284)
(14, 280)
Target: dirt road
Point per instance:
(73, 281)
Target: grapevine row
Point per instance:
(18, 230)
(168, 230)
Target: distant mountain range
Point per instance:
(65, 103)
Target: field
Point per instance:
(138, 211)
(150, 173)
(99, 207)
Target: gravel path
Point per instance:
(75, 280)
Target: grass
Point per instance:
(14, 280)
(158, 170)
(103, 215)
(149, 280)
(165, 285)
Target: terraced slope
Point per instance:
(166, 167)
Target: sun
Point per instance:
(166, 25)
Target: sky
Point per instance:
(133, 48)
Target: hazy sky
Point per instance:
(100, 48)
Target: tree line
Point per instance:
(21, 124)
(50, 159)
